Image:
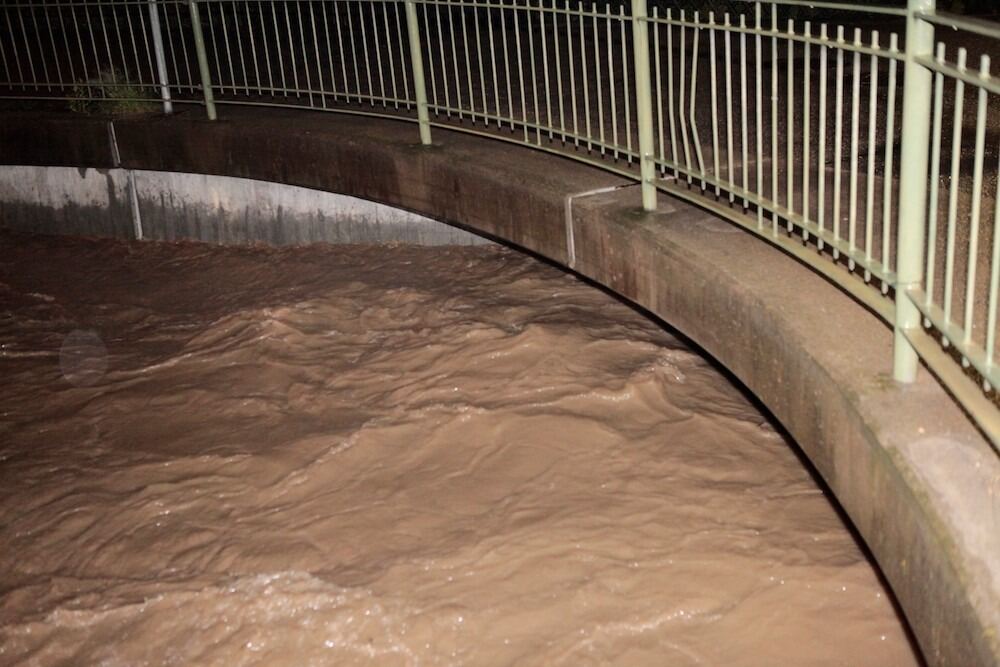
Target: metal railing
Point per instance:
(845, 134)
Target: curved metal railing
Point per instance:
(845, 134)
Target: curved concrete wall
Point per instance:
(920, 483)
(161, 205)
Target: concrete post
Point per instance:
(917, 81)
(161, 61)
(417, 62)
(644, 103)
(199, 45)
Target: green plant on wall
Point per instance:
(109, 93)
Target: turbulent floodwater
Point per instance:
(392, 456)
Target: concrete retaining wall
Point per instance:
(919, 481)
(217, 209)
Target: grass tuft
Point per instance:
(108, 92)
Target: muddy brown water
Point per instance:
(393, 456)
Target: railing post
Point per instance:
(417, 62)
(161, 61)
(917, 81)
(644, 103)
(199, 46)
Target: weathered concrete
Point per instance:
(216, 209)
(920, 483)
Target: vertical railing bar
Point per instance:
(267, 49)
(364, 47)
(121, 45)
(956, 151)
(806, 130)
(93, 42)
(559, 85)
(715, 101)
(977, 202)
(534, 77)
(408, 101)
(178, 80)
(935, 179)
(107, 47)
(670, 95)
(744, 139)
(41, 51)
(493, 64)
(27, 47)
(444, 63)
(425, 10)
(340, 49)
(759, 114)
(838, 141)
(378, 56)
(388, 53)
(215, 43)
(17, 58)
(870, 176)
(355, 63)
(520, 73)
(611, 90)
(225, 40)
(597, 68)
(790, 125)
(8, 74)
(506, 69)
(281, 58)
(253, 44)
(584, 77)
(775, 217)
(658, 79)
(695, 139)
(79, 42)
(55, 49)
(69, 56)
(135, 49)
(681, 98)
(545, 67)
(775, 179)
(729, 110)
(305, 58)
(991, 316)
(319, 68)
(468, 65)
(479, 62)
(184, 49)
(145, 44)
(572, 76)
(329, 51)
(855, 121)
(887, 175)
(627, 94)
(821, 149)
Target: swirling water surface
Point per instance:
(393, 456)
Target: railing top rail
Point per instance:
(839, 6)
(940, 18)
(966, 23)
(58, 4)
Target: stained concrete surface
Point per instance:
(217, 209)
